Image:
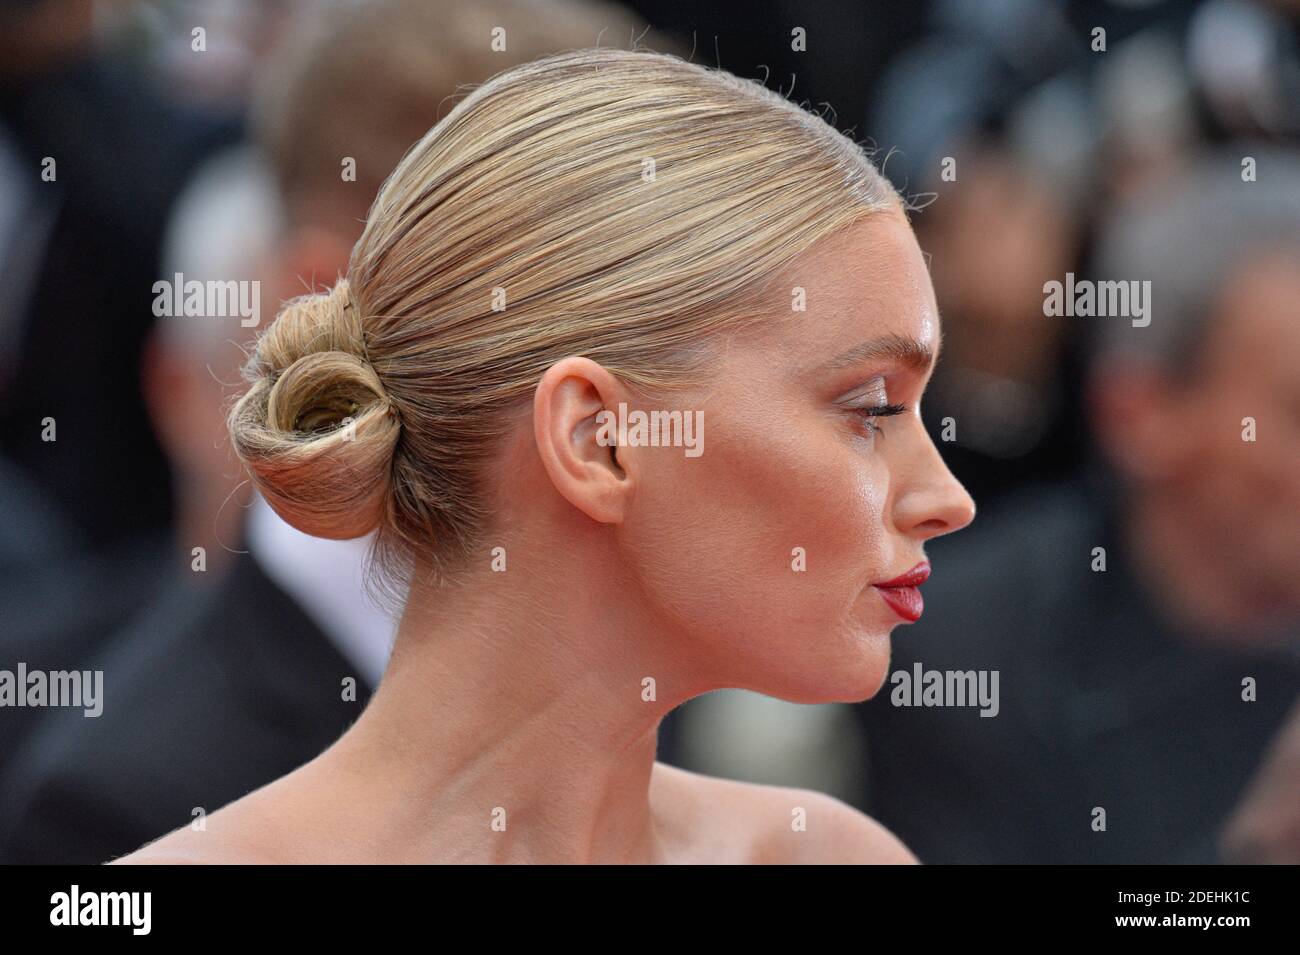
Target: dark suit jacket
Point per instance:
(210, 694)
(1101, 705)
(60, 610)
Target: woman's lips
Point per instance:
(907, 602)
(902, 594)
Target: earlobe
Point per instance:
(572, 440)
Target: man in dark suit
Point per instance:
(57, 610)
(1144, 635)
(91, 159)
(214, 692)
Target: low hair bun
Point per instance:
(317, 429)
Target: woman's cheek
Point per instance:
(871, 491)
(715, 536)
(838, 512)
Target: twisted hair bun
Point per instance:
(317, 429)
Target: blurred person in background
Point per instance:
(217, 689)
(226, 228)
(239, 38)
(95, 155)
(1005, 401)
(1014, 109)
(1145, 624)
(952, 111)
(92, 155)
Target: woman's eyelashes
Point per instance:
(869, 415)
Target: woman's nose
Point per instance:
(933, 502)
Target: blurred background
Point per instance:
(1133, 577)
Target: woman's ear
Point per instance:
(574, 424)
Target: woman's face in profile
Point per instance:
(764, 551)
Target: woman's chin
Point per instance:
(873, 668)
(855, 675)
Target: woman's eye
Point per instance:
(869, 415)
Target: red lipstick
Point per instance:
(902, 594)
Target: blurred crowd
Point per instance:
(1133, 577)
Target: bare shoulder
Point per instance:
(186, 847)
(780, 824)
(237, 834)
(175, 848)
(832, 832)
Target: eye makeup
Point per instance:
(869, 402)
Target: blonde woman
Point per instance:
(593, 240)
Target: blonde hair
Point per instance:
(629, 206)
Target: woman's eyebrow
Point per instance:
(895, 348)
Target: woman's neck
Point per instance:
(515, 723)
